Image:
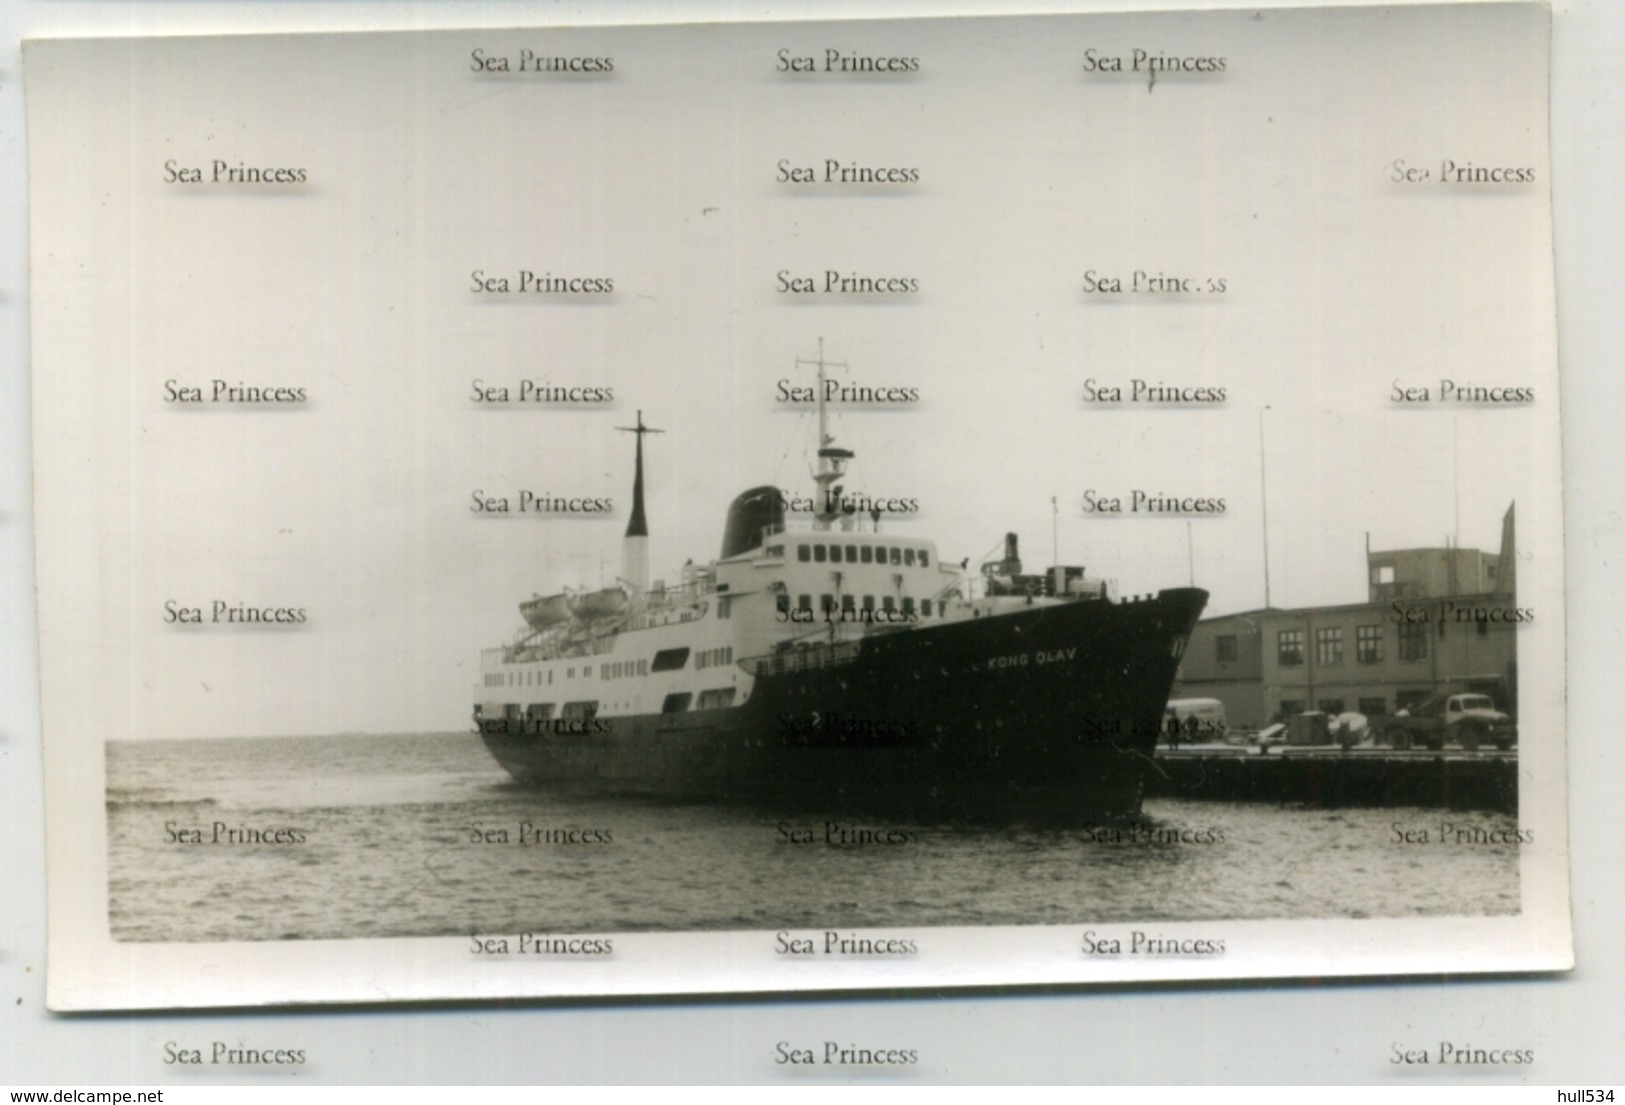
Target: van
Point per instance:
(1195, 720)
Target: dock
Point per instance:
(1330, 777)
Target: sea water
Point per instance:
(423, 835)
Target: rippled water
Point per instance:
(404, 836)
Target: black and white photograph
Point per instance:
(819, 506)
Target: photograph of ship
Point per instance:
(658, 509)
(839, 664)
(832, 709)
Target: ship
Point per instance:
(838, 666)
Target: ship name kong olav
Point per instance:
(840, 667)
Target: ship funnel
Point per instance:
(753, 515)
(1012, 556)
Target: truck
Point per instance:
(1469, 720)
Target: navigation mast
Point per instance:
(832, 460)
(635, 546)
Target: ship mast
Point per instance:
(635, 546)
(831, 459)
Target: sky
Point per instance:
(1275, 176)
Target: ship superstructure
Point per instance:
(837, 664)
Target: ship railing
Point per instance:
(813, 658)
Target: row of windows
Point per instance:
(520, 678)
(714, 657)
(1368, 645)
(863, 554)
(618, 670)
(849, 604)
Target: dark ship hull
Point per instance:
(1051, 712)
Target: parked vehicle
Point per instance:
(1469, 720)
(1194, 720)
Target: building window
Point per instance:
(1373, 706)
(1413, 642)
(1225, 648)
(1368, 644)
(1291, 706)
(1333, 706)
(1289, 649)
(1329, 645)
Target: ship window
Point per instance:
(925, 559)
(868, 602)
(725, 608)
(835, 554)
(539, 711)
(849, 604)
(715, 700)
(783, 604)
(676, 703)
(868, 555)
(803, 554)
(925, 608)
(804, 602)
(774, 550)
(897, 556)
(550, 677)
(908, 604)
(580, 711)
(670, 659)
(572, 673)
(851, 554)
(643, 667)
(826, 603)
(820, 554)
(888, 603)
(908, 557)
(587, 671)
